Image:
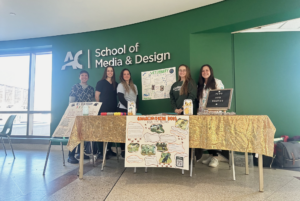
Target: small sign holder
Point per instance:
(218, 99)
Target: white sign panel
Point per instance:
(66, 123)
(157, 141)
(157, 84)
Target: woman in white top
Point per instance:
(127, 91)
(208, 81)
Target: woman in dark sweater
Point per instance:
(106, 93)
(184, 88)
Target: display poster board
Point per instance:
(219, 99)
(156, 84)
(157, 141)
(74, 109)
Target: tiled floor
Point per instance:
(22, 179)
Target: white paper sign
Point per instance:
(157, 141)
(74, 109)
(157, 84)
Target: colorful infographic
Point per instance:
(156, 84)
(157, 141)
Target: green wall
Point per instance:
(216, 50)
(263, 69)
(267, 67)
(174, 34)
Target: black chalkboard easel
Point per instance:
(219, 99)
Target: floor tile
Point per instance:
(119, 194)
(95, 185)
(32, 196)
(90, 188)
(146, 183)
(291, 192)
(22, 179)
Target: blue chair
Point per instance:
(61, 141)
(6, 132)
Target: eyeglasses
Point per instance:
(182, 70)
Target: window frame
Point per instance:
(31, 86)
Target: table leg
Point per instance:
(134, 170)
(106, 143)
(232, 164)
(246, 163)
(104, 154)
(81, 160)
(229, 160)
(92, 153)
(182, 172)
(146, 170)
(117, 151)
(260, 170)
(192, 158)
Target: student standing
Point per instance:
(206, 82)
(106, 92)
(127, 91)
(184, 88)
(80, 92)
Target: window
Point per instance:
(25, 90)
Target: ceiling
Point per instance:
(290, 25)
(22, 19)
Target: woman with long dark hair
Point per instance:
(106, 93)
(206, 82)
(127, 91)
(184, 88)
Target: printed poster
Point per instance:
(156, 84)
(157, 141)
(74, 109)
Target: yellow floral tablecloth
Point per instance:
(243, 133)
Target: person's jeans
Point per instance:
(213, 152)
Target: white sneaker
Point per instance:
(207, 161)
(214, 162)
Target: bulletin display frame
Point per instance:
(217, 95)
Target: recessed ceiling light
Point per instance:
(12, 14)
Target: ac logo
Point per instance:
(73, 61)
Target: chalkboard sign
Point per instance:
(218, 99)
